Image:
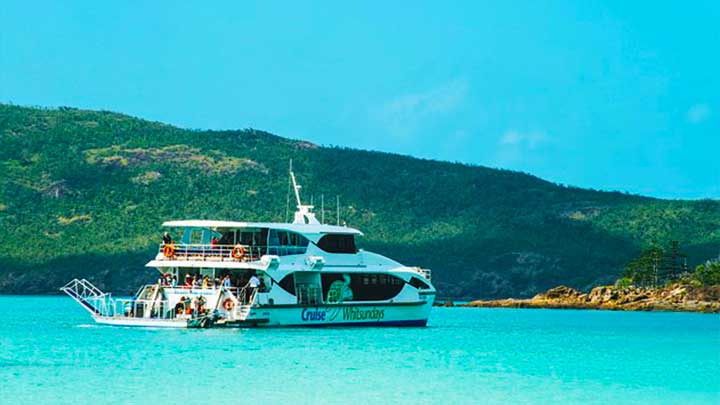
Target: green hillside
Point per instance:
(83, 193)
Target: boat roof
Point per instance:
(300, 228)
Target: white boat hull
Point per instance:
(399, 314)
(142, 322)
(405, 314)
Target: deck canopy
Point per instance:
(231, 225)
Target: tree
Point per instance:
(643, 271)
(708, 273)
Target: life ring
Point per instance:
(228, 304)
(238, 252)
(169, 250)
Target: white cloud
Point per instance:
(404, 114)
(698, 113)
(528, 140)
(516, 147)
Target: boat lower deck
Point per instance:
(399, 314)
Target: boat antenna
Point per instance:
(304, 214)
(287, 203)
(322, 208)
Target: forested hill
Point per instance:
(83, 194)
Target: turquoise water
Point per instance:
(465, 355)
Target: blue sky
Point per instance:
(614, 95)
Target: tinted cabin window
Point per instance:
(419, 284)
(227, 238)
(337, 243)
(362, 286)
(288, 284)
(284, 243)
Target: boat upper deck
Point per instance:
(233, 225)
(223, 253)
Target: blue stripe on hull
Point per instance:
(419, 322)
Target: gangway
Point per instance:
(86, 294)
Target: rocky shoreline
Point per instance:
(675, 297)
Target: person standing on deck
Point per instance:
(166, 238)
(253, 285)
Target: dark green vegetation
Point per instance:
(707, 274)
(655, 266)
(83, 193)
(659, 266)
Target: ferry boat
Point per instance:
(263, 274)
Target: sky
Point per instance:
(612, 95)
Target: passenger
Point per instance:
(201, 305)
(161, 280)
(174, 281)
(196, 281)
(226, 281)
(206, 282)
(188, 281)
(180, 306)
(261, 286)
(216, 282)
(194, 306)
(214, 242)
(167, 239)
(252, 285)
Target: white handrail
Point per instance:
(197, 251)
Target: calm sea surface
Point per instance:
(51, 352)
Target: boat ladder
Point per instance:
(242, 312)
(86, 294)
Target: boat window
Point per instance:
(192, 235)
(419, 284)
(288, 283)
(227, 238)
(245, 238)
(337, 243)
(338, 287)
(284, 243)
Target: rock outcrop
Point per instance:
(674, 297)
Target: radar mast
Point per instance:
(304, 214)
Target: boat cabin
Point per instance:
(202, 240)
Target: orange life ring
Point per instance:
(228, 304)
(169, 250)
(238, 252)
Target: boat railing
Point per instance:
(140, 308)
(217, 252)
(87, 295)
(246, 295)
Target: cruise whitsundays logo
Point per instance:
(348, 314)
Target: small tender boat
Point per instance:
(259, 274)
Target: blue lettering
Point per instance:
(312, 315)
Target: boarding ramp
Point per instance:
(87, 295)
